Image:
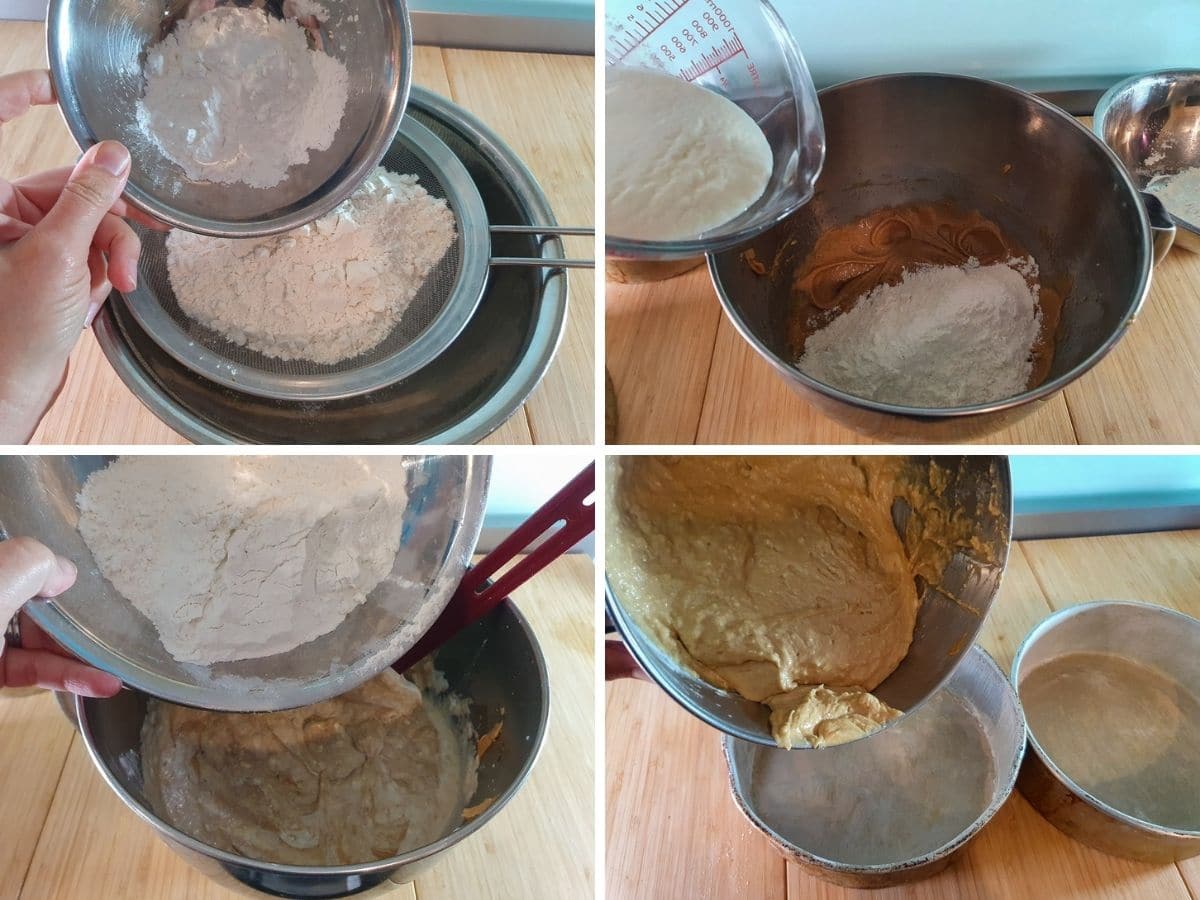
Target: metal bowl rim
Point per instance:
(1003, 790)
(349, 180)
(1044, 627)
(624, 624)
(476, 481)
(1109, 97)
(379, 866)
(546, 336)
(1042, 391)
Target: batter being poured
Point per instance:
(780, 578)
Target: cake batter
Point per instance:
(780, 578)
(362, 777)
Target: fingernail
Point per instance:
(66, 568)
(112, 157)
(92, 311)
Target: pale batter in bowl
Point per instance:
(783, 579)
(365, 776)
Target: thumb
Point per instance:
(92, 188)
(29, 569)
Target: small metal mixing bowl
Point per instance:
(96, 53)
(1025, 164)
(899, 806)
(1160, 639)
(950, 616)
(1152, 123)
(495, 663)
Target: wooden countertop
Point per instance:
(540, 104)
(674, 831)
(684, 375)
(64, 834)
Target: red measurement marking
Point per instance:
(653, 17)
(717, 56)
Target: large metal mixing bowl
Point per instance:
(441, 523)
(951, 613)
(1028, 166)
(96, 53)
(1155, 117)
(495, 663)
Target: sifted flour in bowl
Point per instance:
(235, 95)
(327, 291)
(241, 557)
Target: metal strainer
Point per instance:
(441, 524)
(436, 316)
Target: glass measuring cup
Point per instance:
(742, 50)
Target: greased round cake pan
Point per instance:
(897, 806)
(496, 663)
(463, 395)
(1111, 692)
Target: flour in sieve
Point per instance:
(241, 557)
(236, 95)
(944, 336)
(327, 291)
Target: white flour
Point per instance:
(327, 291)
(944, 336)
(240, 557)
(235, 95)
(1179, 193)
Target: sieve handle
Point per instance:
(540, 261)
(476, 597)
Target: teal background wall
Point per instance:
(1036, 44)
(1054, 484)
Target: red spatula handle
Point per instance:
(475, 598)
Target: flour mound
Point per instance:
(239, 557)
(944, 336)
(235, 95)
(1179, 193)
(327, 291)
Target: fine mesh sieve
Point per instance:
(439, 312)
(441, 522)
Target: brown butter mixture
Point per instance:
(848, 262)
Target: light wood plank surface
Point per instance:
(671, 817)
(71, 837)
(683, 374)
(541, 104)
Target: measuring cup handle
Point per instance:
(1162, 226)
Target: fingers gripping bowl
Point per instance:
(1025, 165)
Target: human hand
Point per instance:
(29, 570)
(619, 662)
(63, 246)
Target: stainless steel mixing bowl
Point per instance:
(1153, 636)
(96, 53)
(951, 613)
(1152, 123)
(442, 519)
(495, 663)
(900, 806)
(1027, 165)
